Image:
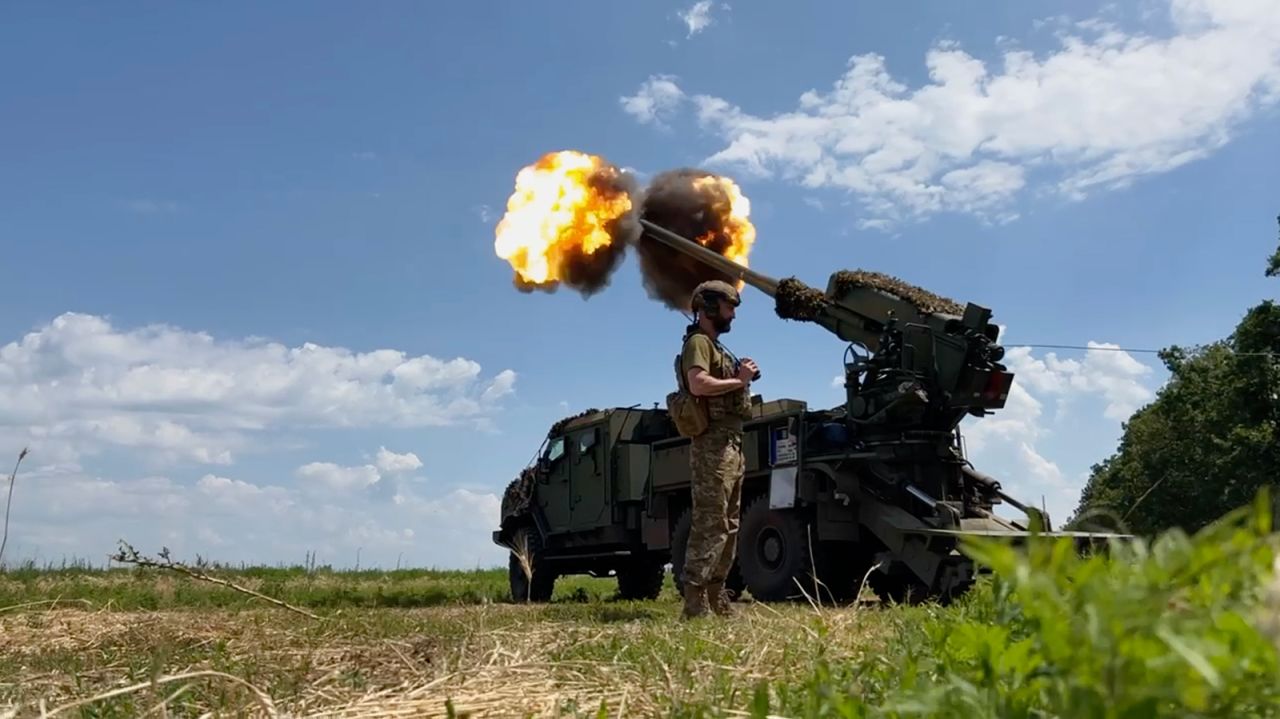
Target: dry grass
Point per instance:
(488, 660)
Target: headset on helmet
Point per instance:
(707, 296)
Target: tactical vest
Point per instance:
(730, 408)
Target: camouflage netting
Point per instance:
(797, 301)
(924, 300)
(515, 499)
(560, 424)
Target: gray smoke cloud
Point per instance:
(673, 201)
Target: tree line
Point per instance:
(1207, 443)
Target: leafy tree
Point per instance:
(1273, 266)
(1207, 443)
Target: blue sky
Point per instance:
(251, 305)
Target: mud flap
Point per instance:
(782, 487)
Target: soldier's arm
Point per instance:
(701, 383)
(697, 360)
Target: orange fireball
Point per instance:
(561, 220)
(734, 209)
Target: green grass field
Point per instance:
(1180, 627)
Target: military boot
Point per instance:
(695, 601)
(718, 598)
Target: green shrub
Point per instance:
(1179, 627)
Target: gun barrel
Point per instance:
(764, 283)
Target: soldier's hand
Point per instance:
(747, 370)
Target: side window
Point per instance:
(587, 450)
(556, 450)
(586, 441)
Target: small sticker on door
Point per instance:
(784, 447)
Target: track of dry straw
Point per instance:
(493, 660)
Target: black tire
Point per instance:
(773, 552)
(841, 567)
(734, 584)
(524, 590)
(899, 586)
(641, 578)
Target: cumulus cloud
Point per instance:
(697, 17)
(502, 385)
(78, 385)
(1102, 109)
(240, 497)
(332, 476)
(1045, 473)
(1106, 371)
(1018, 422)
(339, 478)
(1050, 397)
(66, 515)
(657, 99)
(392, 463)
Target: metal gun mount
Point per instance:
(926, 351)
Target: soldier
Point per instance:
(716, 462)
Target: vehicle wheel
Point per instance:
(733, 585)
(899, 586)
(773, 551)
(523, 588)
(841, 567)
(641, 578)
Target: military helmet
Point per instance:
(707, 292)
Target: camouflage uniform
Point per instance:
(717, 465)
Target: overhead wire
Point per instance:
(1124, 349)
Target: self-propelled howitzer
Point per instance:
(929, 362)
(880, 482)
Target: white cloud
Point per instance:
(655, 101)
(1106, 371)
(238, 496)
(1104, 108)
(65, 515)
(1050, 399)
(697, 17)
(1017, 422)
(1046, 473)
(332, 476)
(359, 478)
(393, 463)
(501, 386)
(78, 386)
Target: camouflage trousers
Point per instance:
(717, 466)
